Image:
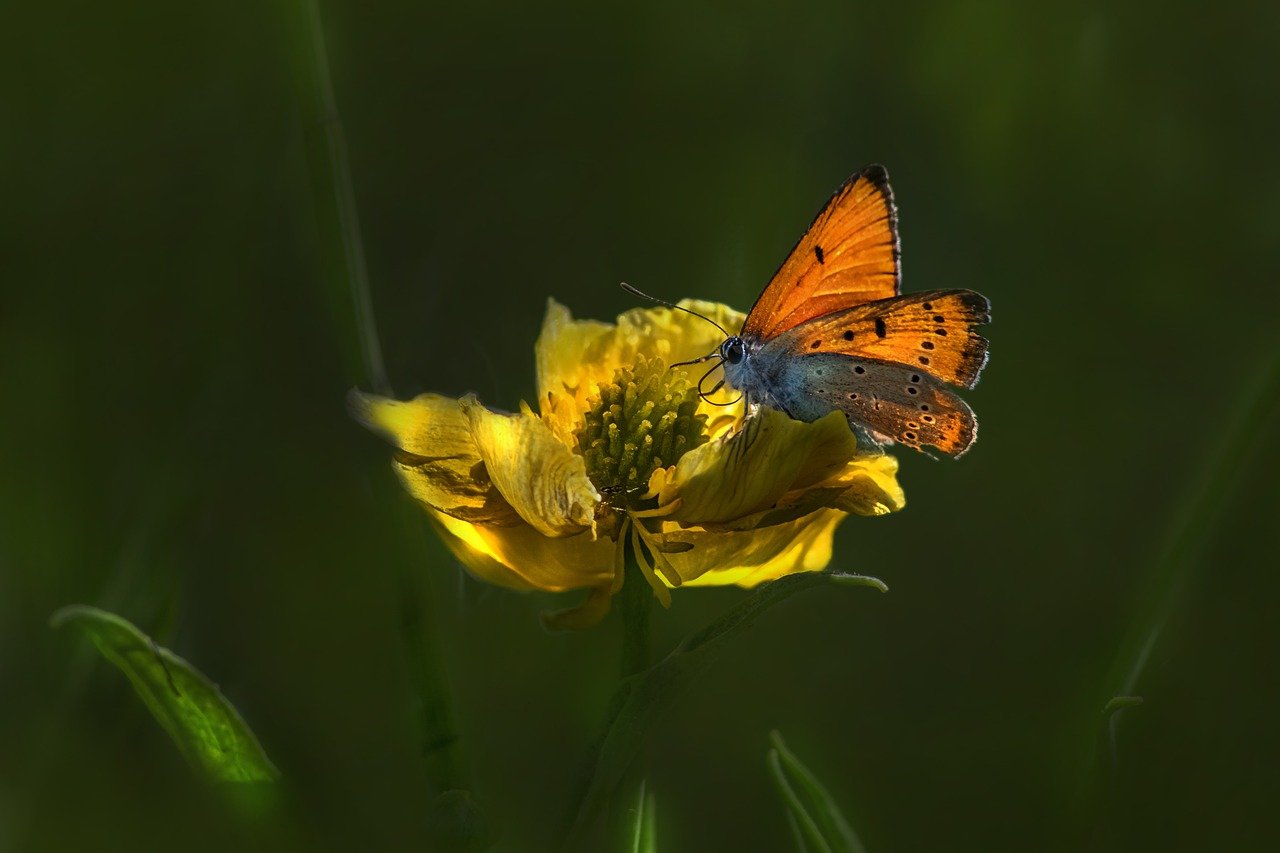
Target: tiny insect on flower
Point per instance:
(623, 453)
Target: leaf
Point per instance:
(201, 721)
(644, 825)
(815, 818)
(647, 696)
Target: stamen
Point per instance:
(646, 418)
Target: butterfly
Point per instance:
(832, 331)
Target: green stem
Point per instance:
(635, 605)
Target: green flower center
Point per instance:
(644, 419)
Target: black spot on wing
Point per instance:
(881, 331)
(817, 250)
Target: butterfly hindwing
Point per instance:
(934, 331)
(848, 256)
(896, 401)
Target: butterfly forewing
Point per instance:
(934, 331)
(848, 256)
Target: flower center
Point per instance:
(644, 419)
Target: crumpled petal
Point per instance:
(866, 486)
(542, 479)
(869, 486)
(437, 458)
(749, 557)
(752, 471)
(520, 557)
(574, 356)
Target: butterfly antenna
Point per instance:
(706, 357)
(636, 292)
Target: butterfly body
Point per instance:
(832, 332)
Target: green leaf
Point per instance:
(815, 818)
(644, 824)
(647, 696)
(201, 721)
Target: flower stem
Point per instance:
(635, 604)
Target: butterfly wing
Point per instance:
(934, 332)
(889, 400)
(849, 255)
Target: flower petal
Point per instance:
(574, 356)
(866, 486)
(566, 353)
(751, 557)
(520, 557)
(752, 470)
(539, 476)
(870, 486)
(438, 460)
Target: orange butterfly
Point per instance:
(832, 331)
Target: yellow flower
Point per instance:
(623, 453)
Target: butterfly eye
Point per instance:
(733, 350)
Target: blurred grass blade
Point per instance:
(204, 725)
(644, 826)
(1205, 503)
(1107, 729)
(344, 198)
(815, 818)
(646, 697)
(440, 747)
(796, 835)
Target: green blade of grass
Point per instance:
(344, 198)
(339, 215)
(644, 824)
(1204, 505)
(816, 820)
(206, 728)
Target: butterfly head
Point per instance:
(733, 350)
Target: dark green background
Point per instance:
(175, 346)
